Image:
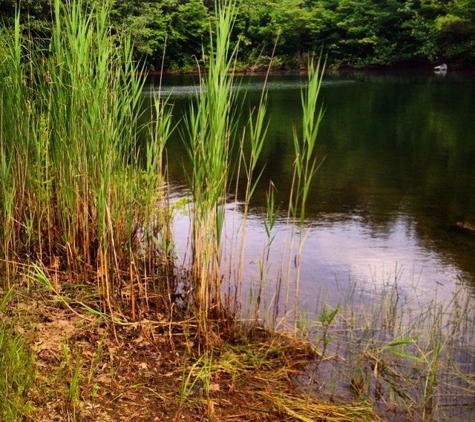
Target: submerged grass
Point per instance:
(410, 359)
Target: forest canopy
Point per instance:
(351, 33)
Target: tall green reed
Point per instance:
(15, 135)
(306, 165)
(73, 187)
(90, 106)
(209, 141)
(214, 137)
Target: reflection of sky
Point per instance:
(387, 197)
(348, 262)
(338, 255)
(349, 249)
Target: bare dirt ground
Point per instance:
(88, 369)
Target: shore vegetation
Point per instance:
(355, 34)
(99, 322)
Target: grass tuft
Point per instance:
(17, 371)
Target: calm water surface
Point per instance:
(398, 173)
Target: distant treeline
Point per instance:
(354, 33)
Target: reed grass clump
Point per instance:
(213, 137)
(305, 168)
(75, 197)
(208, 140)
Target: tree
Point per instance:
(188, 29)
(455, 32)
(144, 21)
(39, 14)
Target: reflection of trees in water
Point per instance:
(394, 145)
(392, 150)
(455, 244)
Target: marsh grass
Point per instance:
(16, 368)
(408, 357)
(83, 202)
(305, 168)
(75, 196)
(208, 140)
(213, 137)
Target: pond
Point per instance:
(389, 234)
(395, 185)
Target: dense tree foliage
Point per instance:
(356, 33)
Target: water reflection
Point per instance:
(397, 175)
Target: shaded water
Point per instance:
(388, 212)
(398, 173)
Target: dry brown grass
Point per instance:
(155, 371)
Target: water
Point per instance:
(398, 152)
(396, 183)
